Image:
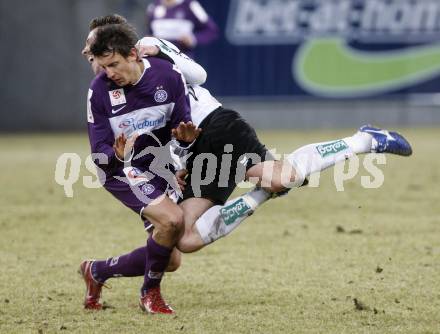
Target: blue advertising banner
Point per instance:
(325, 48)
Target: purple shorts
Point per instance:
(135, 190)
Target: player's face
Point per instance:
(86, 50)
(120, 70)
(169, 2)
(88, 55)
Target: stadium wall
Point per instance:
(419, 111)
(45, 78)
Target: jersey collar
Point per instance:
(147, 65)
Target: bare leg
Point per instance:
(167, 219)
(193, 208)
(272, 177)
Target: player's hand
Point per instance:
(148, 50)
(186, 132)
(123, 146)
(188, 41)
(180, 177)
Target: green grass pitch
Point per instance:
(295, 266)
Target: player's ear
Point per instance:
(134, 54)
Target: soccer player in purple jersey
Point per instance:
(207, 217)
(140, 103)
(182, 22)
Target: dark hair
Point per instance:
(112, 38)
(106, 20)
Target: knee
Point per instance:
(190, 242)
(173, 224)
(185, 246)
(173, 266)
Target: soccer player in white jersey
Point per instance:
(210, 218)
(207, 215)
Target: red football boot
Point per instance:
(152, 302)
(93, 288)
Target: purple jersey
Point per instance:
(185, 18)
(150, 108)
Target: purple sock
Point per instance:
(158, 258)
(127, 265)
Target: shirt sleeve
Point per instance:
(149, 14)
(205, 29)
(181, 111)
(193, 72)
(101, 135)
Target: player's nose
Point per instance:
(110, 74)
(85, 51)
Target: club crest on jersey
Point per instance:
(135, 175)
(160, 96)
(117, 97)
(147, 189)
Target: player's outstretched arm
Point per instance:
(194, 73)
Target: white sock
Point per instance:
(360, 142)
(317, 157)
(219, 220)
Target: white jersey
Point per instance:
(194, 73)
(201, 101)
